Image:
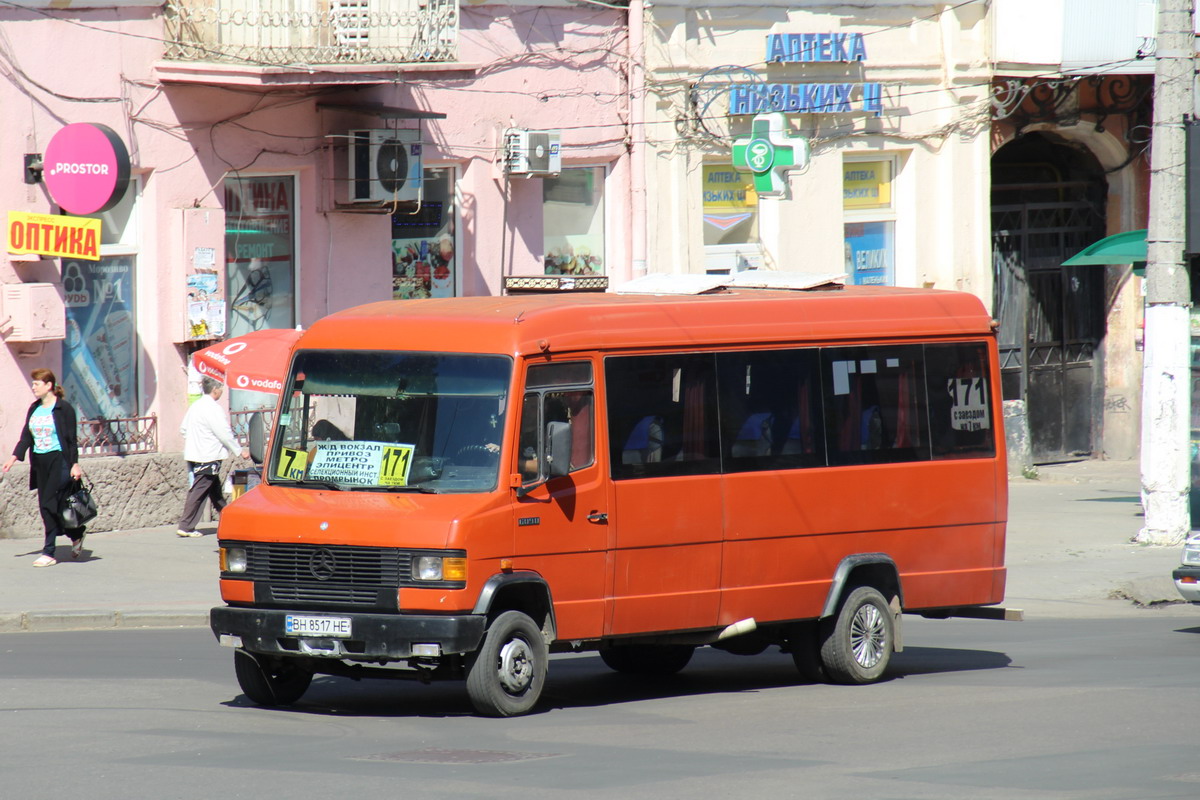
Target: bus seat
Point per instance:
(754, 438)
(645, 441)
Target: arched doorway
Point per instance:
(1048, 203)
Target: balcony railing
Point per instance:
(312, 32)
(118, 437)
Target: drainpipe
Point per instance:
(637, 136)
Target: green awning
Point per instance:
(1120, 248)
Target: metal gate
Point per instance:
(1051, 318)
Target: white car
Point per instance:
(1187, 575)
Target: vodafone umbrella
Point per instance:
(254, 361)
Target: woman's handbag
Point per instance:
(78, 505)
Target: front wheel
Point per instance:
(857, 644)
(506, 675)
(270, 681)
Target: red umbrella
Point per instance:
(255, 361)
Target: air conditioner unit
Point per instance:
(385, 166)
(532, 153)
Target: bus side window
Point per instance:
(961, 416)
(556, 393)
(662, 415)
(875, 404)
(770, 409)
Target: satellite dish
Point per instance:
(391, 165)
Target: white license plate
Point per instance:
(316, 626)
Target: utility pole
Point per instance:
(1166, 373)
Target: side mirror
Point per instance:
(558, 449)
(256, 430)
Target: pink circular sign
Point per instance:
(86, 168)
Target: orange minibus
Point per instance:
(456, 488)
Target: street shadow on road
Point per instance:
(582, 681)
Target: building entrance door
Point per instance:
(1051, 320)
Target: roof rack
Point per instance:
(660, 283)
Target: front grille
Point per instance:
(326, 575)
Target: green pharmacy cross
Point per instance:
(768, 153)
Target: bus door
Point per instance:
(664, 454)
(562, 529)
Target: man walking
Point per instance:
(207, 438)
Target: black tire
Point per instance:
(270, 681)
(506, 675)
(856, 645)
(806, 651)
(647, 659)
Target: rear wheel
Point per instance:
(507, 673)
(270, 681)
(857, 644)
(648, 659)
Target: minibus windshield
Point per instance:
(391, 421)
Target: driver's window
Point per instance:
(556, 393)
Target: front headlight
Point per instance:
(439, 568)
(427, 568)
(233, 559)
(1191, 554)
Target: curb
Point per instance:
(45, 621)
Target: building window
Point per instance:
(423, 243)
(99, 370)
(573, 222)
(260, 253)
(870, 220)
(729, 206)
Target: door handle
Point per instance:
(598, 517)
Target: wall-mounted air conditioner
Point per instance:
(532, 153)
(385, 166)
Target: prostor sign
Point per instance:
(86, 168)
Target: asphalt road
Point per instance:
(1095, 708)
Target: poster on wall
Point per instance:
(205, 297)
(260, 257)
(100, 350)
(730, 205)
(423, 263)
(573, 222)
(870, 253)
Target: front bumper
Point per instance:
(373, 636)
(1191, 590)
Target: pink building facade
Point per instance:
(269, 195)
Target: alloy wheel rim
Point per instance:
(867, 636)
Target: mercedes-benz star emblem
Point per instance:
(322, 564)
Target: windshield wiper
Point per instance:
(337, 487)
(410, 488)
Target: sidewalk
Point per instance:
(1069, 555)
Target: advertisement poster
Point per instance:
(100, 350)
(867, 184)
(573, 222)
(730, 205)
(260, 258)
(205, 298)
(423, 263)
(871, 253)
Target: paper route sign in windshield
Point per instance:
(362, 463)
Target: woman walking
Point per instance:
(50, 435)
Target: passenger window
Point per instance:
(662, 415)
(771, 410)
(557, 393)
(874, 404)
(961, 417)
